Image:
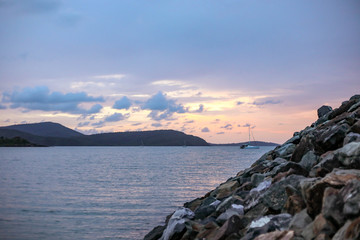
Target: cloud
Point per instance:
(201, 109)
(239, 103)
(156, 125)
(227, 127)
(190, 121)
(116, 117)
(83, 124)
(205, 129)
(136, 124)
(219, 133)
(2, 107)
(266, 101)
(123, 103)
(111, 76)
(163, 108)
(40, 98)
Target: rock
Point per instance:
(351, 137)
(323, 110)
(351, 197)
(332, 138)
(350, 230)
(207, 207)
(225, 189)
(233, 210)
(276, 235)
(176, 225)
(313, 189)
(256, 179)
(345, 106)
(321, 225)
(306, 144)
(267, 224)
(286, 166)
(355, 128)
(275, 197)
(285, 151)
(349, 155)
(295, 140)
(155, 234)
(294, 202)
(332, 206)
(299, 221)
(308, 160)
(232, 225)
(327, 163)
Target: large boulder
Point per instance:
(323, 110)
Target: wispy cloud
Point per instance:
(228, 126)
(266, 101)
(205, 129)
(110, 76)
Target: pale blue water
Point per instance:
(106, 192)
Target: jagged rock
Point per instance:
(276, 235)
(225, 189)
(313, 189)
(233, 210)
(351, 137)
(345, 106)
(332, 138)
(332, 206)
(299, 221)
(306, 144)
(349, 155)
(355, 128)
(294, 203)
(327, 163)
(208, 232)
(233, 225)
(155, 234)
(323, 110)
(286, 166)
(256, 179)
(207, 207)
(275, 197)
(285, 151)
(267, 224)
(308, 160)
(176, 228)
(349, 231)
(295, 140)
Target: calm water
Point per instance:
(106, 192)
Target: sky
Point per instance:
(207, 68)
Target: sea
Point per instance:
(106, 192)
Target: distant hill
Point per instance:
(54, 134)
(254, 143)
(45, 129)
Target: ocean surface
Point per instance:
(106, 192)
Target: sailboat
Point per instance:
(249, 146)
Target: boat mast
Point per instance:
(249, 135)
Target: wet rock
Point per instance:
(276, 235)
(349, 155)
(309, 160)
(323, 110)
(275, 197)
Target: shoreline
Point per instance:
(306, 188)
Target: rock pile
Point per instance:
(307, 188)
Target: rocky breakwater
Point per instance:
(307, 188)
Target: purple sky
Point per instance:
(207, 68)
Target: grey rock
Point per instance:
(309, 160)
(155, 234)
(295, 140)
(256, 179)
(275, 197)
(349, 155)
(340, 234)
(351, 137)
(299, 222)
(323, 110)
(285, 150)
(332, 138)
